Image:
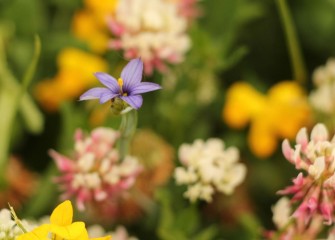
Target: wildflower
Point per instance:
(60, 226)
(284, 103)
(95, 175)
(188, 8)
(89, 24)
(127, 88)
(151, 29)
(315, 191)
(8, 228)
(208, 167)
(74, 76)
(322, 98)
(287, 228)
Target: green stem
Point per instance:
(297, 62)
(17, 220)
(10, 98)
(127, 128)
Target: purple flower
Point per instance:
(128, 87)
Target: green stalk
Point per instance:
(298, 65)
(17, 220)
(10, 98)
(127, 128)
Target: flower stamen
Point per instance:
(120, 83)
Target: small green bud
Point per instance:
(119, 106)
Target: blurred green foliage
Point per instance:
(232, 41)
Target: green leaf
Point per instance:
(11, 95)
(31, 115)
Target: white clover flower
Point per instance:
(322, 98)
(8, 228)
(209, 167)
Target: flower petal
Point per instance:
(38, 233)
(94, 93)
(72, 231)
(135, 101)
(107, 96)
(132, 73)
(108, 81)
(144, 87)
(63, 163)
(62, 214)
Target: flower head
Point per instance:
(127, 88)
(60, 227)
(322, 97)
(95, 176)
(208, 167)
(284, 102)
(154, 30)
(287, 228)
(8, 228)
(314, 192)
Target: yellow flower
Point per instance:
(81, 61)
(85, 27)
(243, 103)
(91, 23)
(75, 75)
(277, 115)
(60, 227)
(102, 9)
(291, 107)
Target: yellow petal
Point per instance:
(243, 102)
(289, 105)
(72, 231)
(39, 233)
(82, 61)
(62, 214)
(84, 236)
(261, 139)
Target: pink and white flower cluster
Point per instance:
(290, 229)
(314, 192)
(209, 167)
(95, 173)
(154, 30)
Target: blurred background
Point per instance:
(233, 80)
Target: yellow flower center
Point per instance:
(120, 82)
